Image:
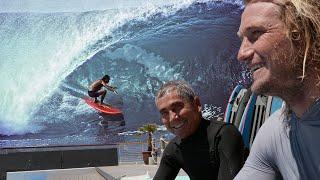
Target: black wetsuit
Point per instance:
(193, 155)
(93, 94)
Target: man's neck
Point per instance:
(301, 101)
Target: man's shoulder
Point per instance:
(172, 148)
(216, 122)
(222, 128)
(270, 134)
(173, 143)
(273, 124)
(96, 82)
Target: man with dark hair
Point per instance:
(280, 45)
(203, 149)
(95, 88)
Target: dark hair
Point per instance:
(183, 89)
(106, 78)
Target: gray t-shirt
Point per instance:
(286, 149)
(270, 153)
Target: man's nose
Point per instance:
(246, 51)
(173, 115)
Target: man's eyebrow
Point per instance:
(177, 103)
(248, 29)
(172, 105)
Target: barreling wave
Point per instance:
(48, 60)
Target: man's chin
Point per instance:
(255, 90)
(178, 134)
(259, 88)
(181, 136)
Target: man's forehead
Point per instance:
(258, 16)
(171, 97)
(168, 101)
(262, 8)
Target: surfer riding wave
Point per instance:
(95, 89)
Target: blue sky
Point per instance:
(69, 5)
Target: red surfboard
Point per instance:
(102, 108)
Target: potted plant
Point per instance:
(150, 129)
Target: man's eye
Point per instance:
(164, 113)
(177, 108)
(257, 33)
(254, 35)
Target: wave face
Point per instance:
(48, 61)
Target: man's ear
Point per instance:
(197, 103)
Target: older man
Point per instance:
(203, 149)
(280, 45)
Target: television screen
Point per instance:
(51, 51)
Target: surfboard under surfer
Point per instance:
(95, 88)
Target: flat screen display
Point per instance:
(51, 51)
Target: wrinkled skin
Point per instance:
(268, 51)
(180, 117)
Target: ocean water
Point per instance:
(47, 61)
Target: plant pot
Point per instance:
(145, 156)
